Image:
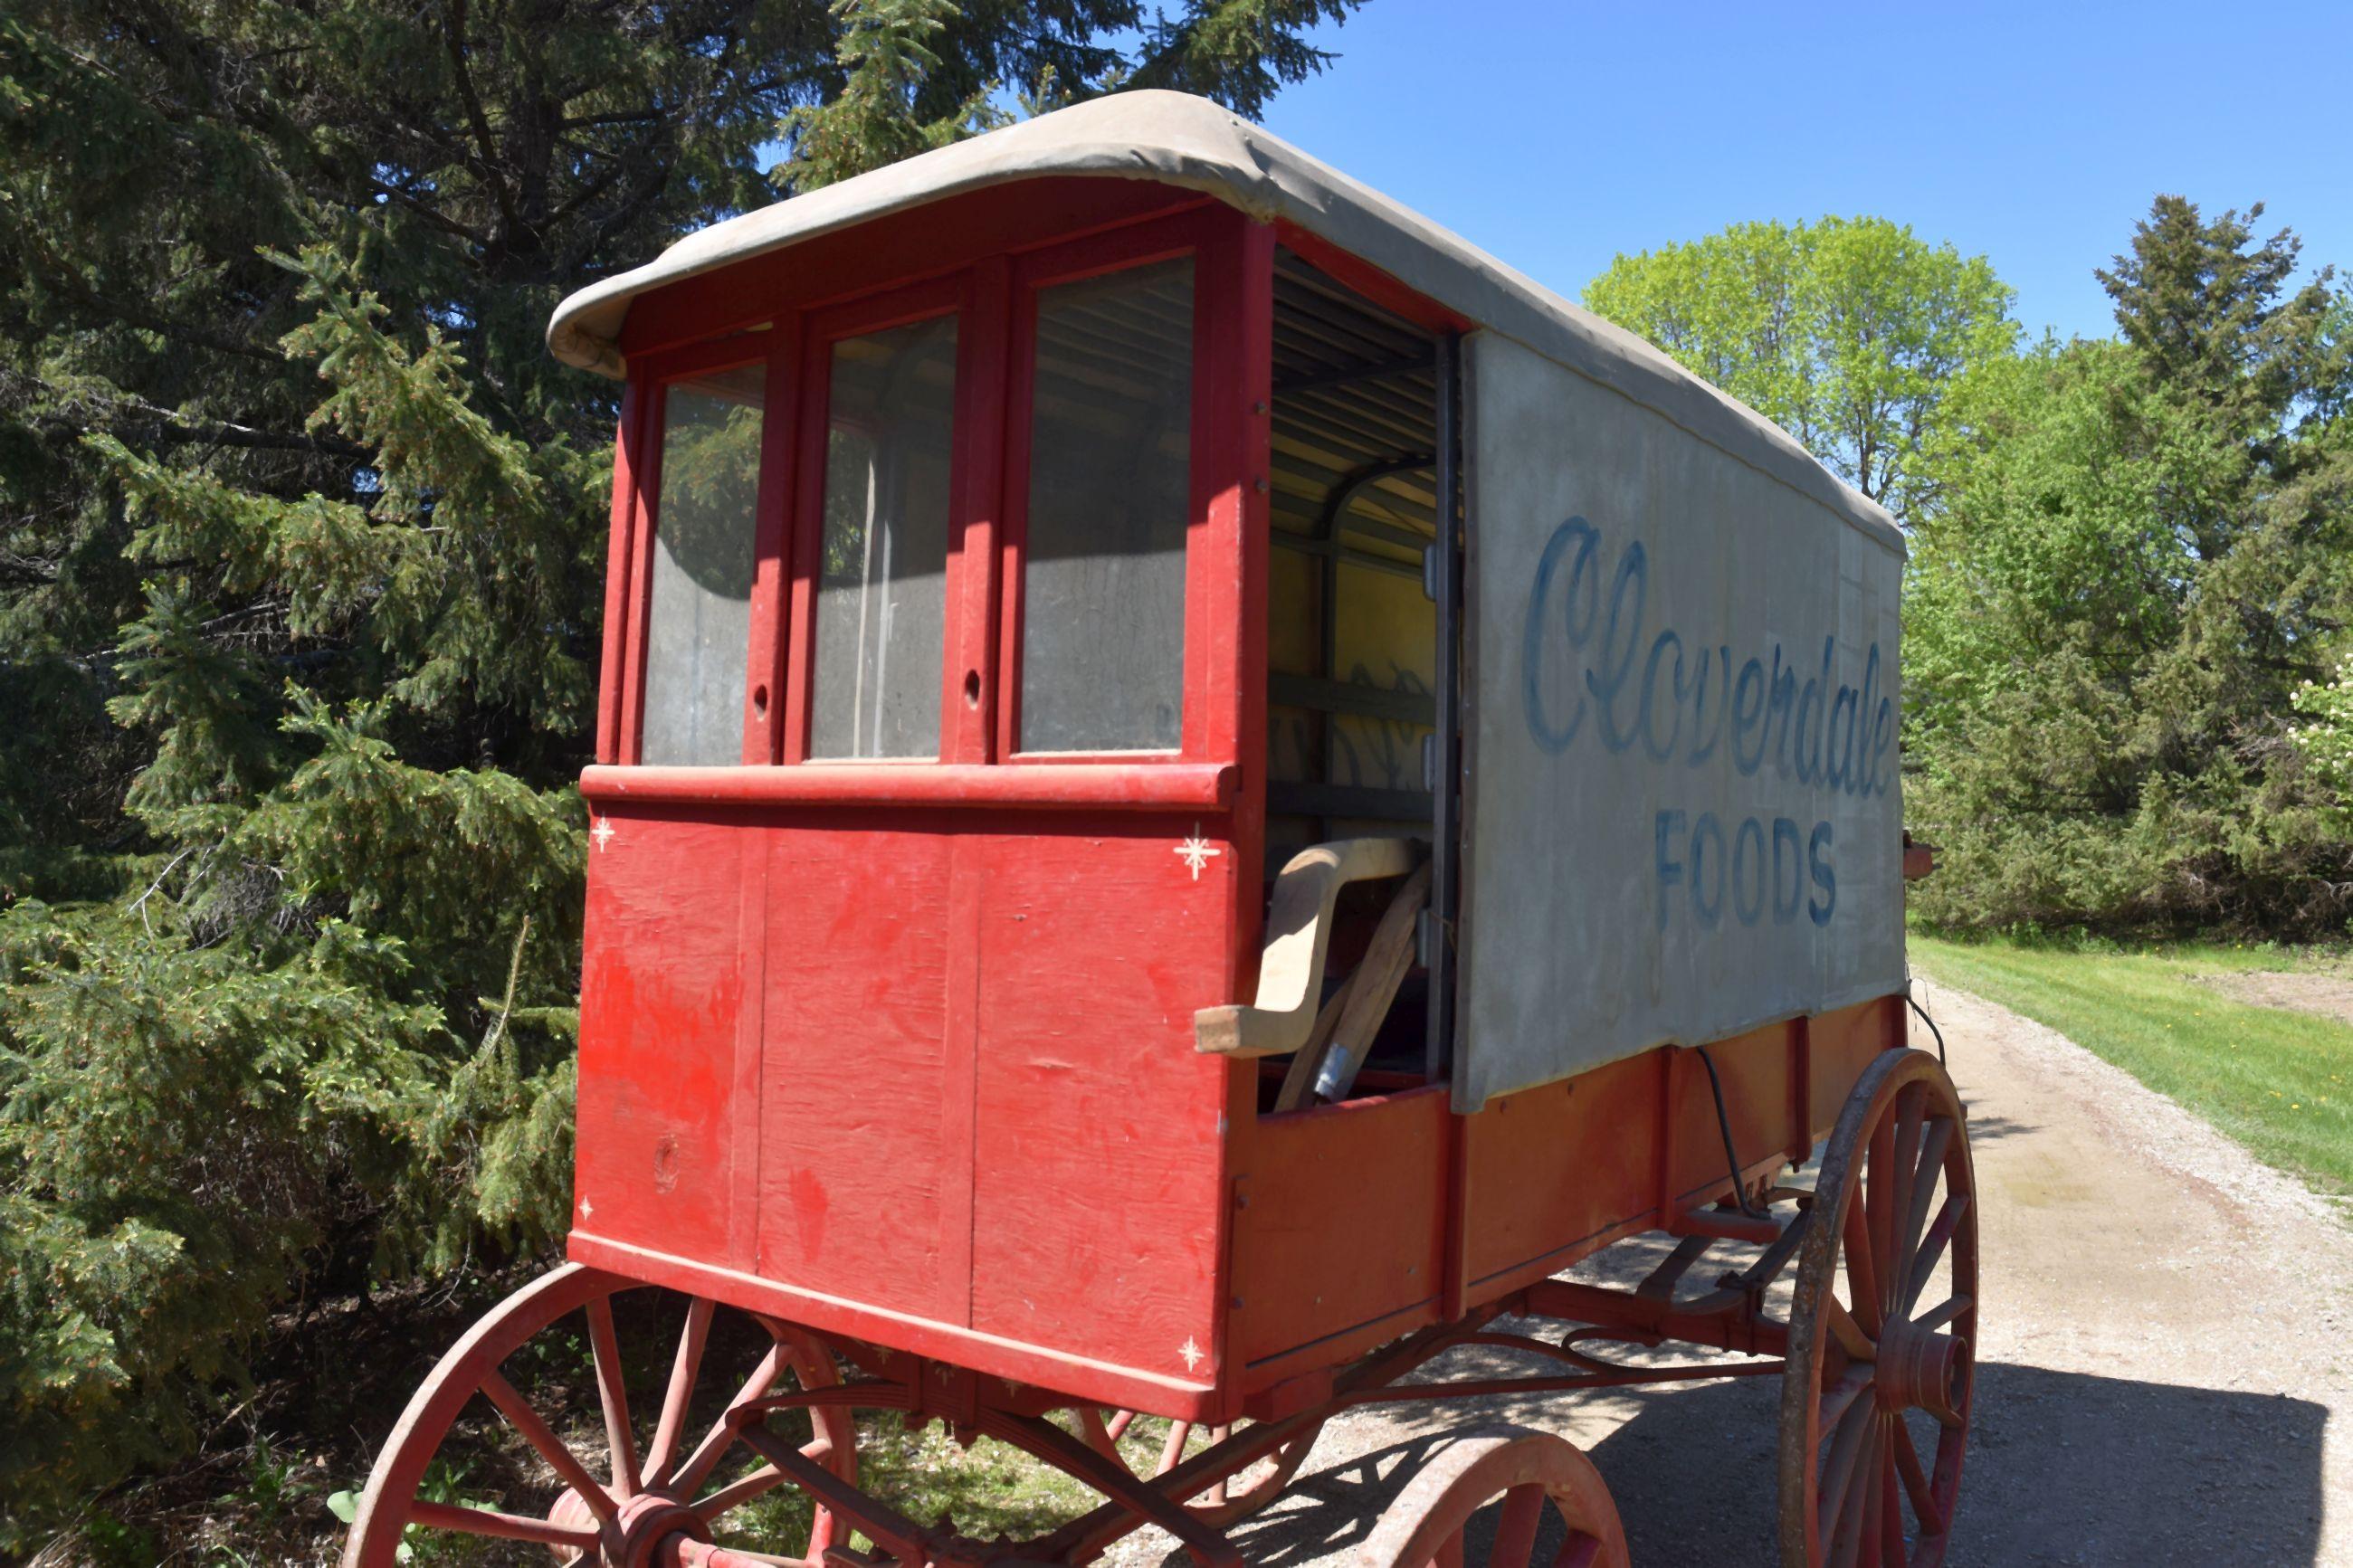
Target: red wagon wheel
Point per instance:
(1436, 1522)
(1229, 1501)
(604, 1499)
(1882, 1330)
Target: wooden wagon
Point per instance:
(1200, 792)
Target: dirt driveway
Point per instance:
(2163, 1376)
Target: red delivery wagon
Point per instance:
(1201, 790)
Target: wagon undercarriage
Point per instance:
(1858, 1292)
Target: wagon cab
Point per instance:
(1196, 779)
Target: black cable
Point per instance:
(1930, 1022)
(1724, 1125)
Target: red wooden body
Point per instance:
(904, 1050)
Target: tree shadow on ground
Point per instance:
(2063, 1470)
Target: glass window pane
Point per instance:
(882, 595)
(1102, 583)
(699, 628)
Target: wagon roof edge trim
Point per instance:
(1175, 139)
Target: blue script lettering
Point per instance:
(1822, 732)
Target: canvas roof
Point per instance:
(1175, 139)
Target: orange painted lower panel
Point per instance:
(1338, 1222)
(1347, 1202)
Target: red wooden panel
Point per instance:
(1084, 1381)
(1097, 1127)
(1842, 1044)
(1558, 1165)
(1755, 1069)
(1101, 787)
(663, 997)
(855, 1177)
(1340, 1223)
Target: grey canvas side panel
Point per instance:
(1684, 815)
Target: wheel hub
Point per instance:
(642, 1523)
(1921, 1369)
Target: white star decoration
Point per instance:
(587, 1209)
(1196, 852)
(603, 832)
(1188, 1350)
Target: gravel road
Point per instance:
(2163, 1351)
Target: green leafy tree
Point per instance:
(301, 539)
(2145, 552)
(1848, 333)
(2323, 735)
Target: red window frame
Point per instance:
(993, 296)
(820, 331)
(638, 474)
(1197, 235)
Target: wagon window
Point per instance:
(698, 627)
(881, 587)
(1103, 587)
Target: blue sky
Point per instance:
(1559, 134)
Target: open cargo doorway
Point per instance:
(1353, 634)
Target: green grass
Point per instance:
(2279, 1083)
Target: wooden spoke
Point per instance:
(1516, 1533)
(1891, 1507)
(497, 1526)
(1871, 1539)
(1845, 1529)
(1449, 1553)
(1909, 1113)
(1839, 1400)
(1097, 1434)
(1932, 1144)
(1849, 1333)
(1878, 1201)
(1172, 1450)
(683, 1373)
(736, 1493)
(1851, 1438)
(1951, 1308)
(612, 1396)
(1932, 1246)
(1924, 1506)
(1862, 1278)
(1583, 1551)
(551, 1448)
(721, 1435)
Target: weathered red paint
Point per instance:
(949, 1002)
(900, 1054)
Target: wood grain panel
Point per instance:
(662, 993)
(855, 1173)
(1343, 1221)
(1096, 1198)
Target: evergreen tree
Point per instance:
(2147, 554)
(300, 540)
